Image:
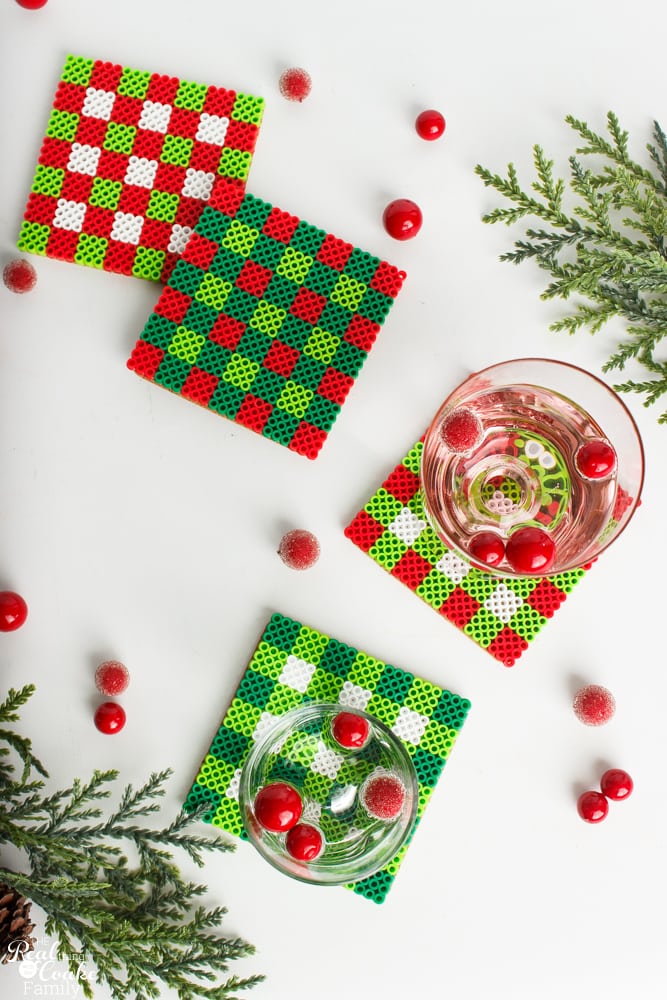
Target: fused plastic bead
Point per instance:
(112, 678)
(402, 219)
(19, 276)
(278, 807)
(304, 842)
(592, 807)
(13, 611)
(295, 84)
(594, 705)
(350, 730)
(110, 718)
(430, 125)
(616, 784)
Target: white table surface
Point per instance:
(142, 528)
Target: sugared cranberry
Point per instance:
(19, 275)
(111, 678)
(487, 548)
(383, 795)
(304, 842)
(461, 430)
(110, 718)
(592, 807)
(594, 705)
(350, 730)
(299, 549)
(616, 784)
(530, 550)
(13, 611)
(278, 807)
(430, 125)
(402, 219)
(595, 459)
(295, 84)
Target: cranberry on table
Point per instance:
(595, 459)
(461, 430)
(110, 718)
(350, 730)
(487, 547)
(594, 705)
(111, 678)
(299, 549)
(19, 276)
(295, 84)
(592, 807)
(616, 784)
(530, 550)
(31, 4)
(383, 796)
(13, 611)
(278, 807)
(304, 842)
(430, 125)
(402, 219)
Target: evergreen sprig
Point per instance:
(611, 248)
(138, 926)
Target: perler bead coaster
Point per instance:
(501, 615)
(127, 164)
(266, 320)
(294, 664)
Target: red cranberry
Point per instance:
(487, 547)
(304, 842)
(299, 549)
(402, 219)
(13, 611)
(294, 84)
(595, 459)
(278, 807)
(530, 550)
(592, 807)
(430, 125)
(616, 784)
(111, 678)
(594, 705)
(110, 718)
(383, 796)
(19, 276)
(350, 730)
(461, 430)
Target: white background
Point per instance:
(144, 528)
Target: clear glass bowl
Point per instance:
(515, 460)
(300, 750)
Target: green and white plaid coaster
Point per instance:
(294, 664)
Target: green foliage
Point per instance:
(138, 926)
(611, 249)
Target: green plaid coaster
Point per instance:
(294, 664)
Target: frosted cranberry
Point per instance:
(594, 705)
(595, 459)
(383, 796)
(350, 730)
(402, 219)
(13, 611)
(430, 125)
(299, 549)
(278, 807)
(461, 430)
(616, 784)
(19, 276)
(530, 550)
(110, 718)
(487, 548)
(592, 807)
(295, 84)
(111, 678)
(304, 842)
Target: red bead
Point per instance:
(111, 678)
(350, 730)
(31, 4)
(299, 549)
(595, 459)
(487, 548)
(295, 84)
(616, 784)
(278, 807)
(594, 705)
(19, 276)
(430, 125)
(461, 430)
(592, 807)
(530, 550)
(402, 219)
(13, 611)
(383, 796)
(304, 842)
(110, 718)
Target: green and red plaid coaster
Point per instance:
(128, 161)
(501, 615)
(294, 664)
(266, 320)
